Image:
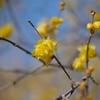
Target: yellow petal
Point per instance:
(92, 46)
(54, 42)
(78, 64)
(96, 24)
(40, 41)
(80, 48)
(6, 30)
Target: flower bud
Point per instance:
(96, 24)
(62, 3)
(89, 26)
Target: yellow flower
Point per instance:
(97, 16)
(6, 30)
(89, 26)
(96, 25)
(47, 28)
(83, 51)
(82, 86)
(42, 28)
(55, 21)
(44, 50)
(78, 64)
(89, 70)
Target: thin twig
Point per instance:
(88, 42)
(63, 68)
(87, 60)
(16, 45)
(14, 18)
(23, 72)
(70, 91)
(92, 79)
(87, 51)
(19, 79)
(59, 13)
(35, 29)
(92, 13)
(12, 71)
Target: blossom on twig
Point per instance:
(78, 64)
(44, 50)
(48, 27)
(91, 52)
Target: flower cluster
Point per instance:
(97, 16)
(44, 50)
(91, 52)
(94, 25)
(47, 28)
(78, 63)
(6, 30)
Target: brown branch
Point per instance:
(19, 79)
(23, 72)
(88, 42)
(70, 91)
(13, 16)
(16, 45)
(12, 71)
(92, 79)
(62, 68)
(35, 29)
(87, 60)
(92, 13)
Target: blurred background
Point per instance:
(22, 77)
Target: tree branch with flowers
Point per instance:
(45, 48)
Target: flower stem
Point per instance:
(62, 68)
(35, 29)
(16, 45)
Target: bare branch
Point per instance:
(35, 29)
(12, 71)
(63, 68)
(16, 45)
(92, 79)
(70, 91)
(19, 79)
